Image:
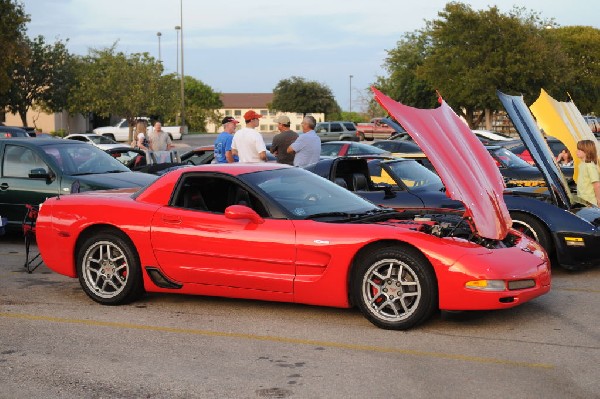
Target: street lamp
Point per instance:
(158, 34)
(182, 75)
(351, 93)
(177, 28)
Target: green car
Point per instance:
(35, 169)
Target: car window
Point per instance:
(350, 126)
(508, 159)
(18, 161)
(364, 149)
(214, 194)
(336, 128)
(83, 159)
(302, 193)
(78, 138)
(322, 128)
(414, 175)
(330, 149)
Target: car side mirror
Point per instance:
(237, 212)
(39, 173)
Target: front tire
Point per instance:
(109, 269)
(534, 229)
(394, 287)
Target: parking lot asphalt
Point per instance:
(56, 342)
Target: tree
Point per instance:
(201, 104)
(12, 37)
(298, 95)
(581, 45)
(467, 55)
(110, 82)
(42, 78)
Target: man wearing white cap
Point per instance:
(282, 141)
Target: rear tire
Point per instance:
(109, 268)
(395, 287)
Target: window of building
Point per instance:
(264, 112)
(237, 112)
(227, 112)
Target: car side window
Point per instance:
(322, 128)
(336, 127)
(214, 194)
(18, 161)
(83, 139)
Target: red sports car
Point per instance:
(279, 233)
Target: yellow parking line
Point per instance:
(285, 340)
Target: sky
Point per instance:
(247, 47)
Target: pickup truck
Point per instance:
(120, 131)
(376, 129)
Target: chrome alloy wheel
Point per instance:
(105, 269)
(526, 229)
(391, 289)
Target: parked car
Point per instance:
(275, 232)
(35, 169)
(377, 128)
(338, 130)
(341, 148)
(11, 131)
(102, 142)
(120, 131)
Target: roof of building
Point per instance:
(246, 100)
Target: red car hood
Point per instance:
(462, 162)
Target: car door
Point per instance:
(198, 244)
(17, 188)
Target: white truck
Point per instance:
(120, 131)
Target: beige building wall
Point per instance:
(49, 123)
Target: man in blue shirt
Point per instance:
(223, 153)
(308, 145)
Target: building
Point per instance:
(49, 123)
(236, 105)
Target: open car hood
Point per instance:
(536, 144)
(462, 162)
(563, 121)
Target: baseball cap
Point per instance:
(283, 119)
(248, 116)
(228, 119)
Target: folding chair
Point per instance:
(31, 262)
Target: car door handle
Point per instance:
(4, 186)
(171, 219)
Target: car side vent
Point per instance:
(160, 279)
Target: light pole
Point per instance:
(158, 34)
(351, 93)
(177, 28)
(182, 75)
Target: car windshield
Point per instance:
(508, 159)
(81, 159)
(304, 195)
(411, 173)
(364, 149)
